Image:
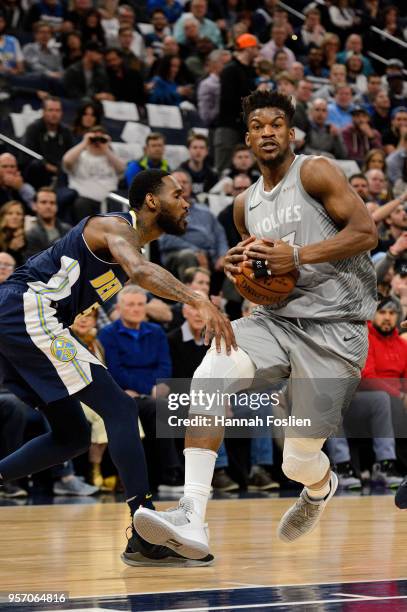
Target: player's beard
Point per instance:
(168, 225)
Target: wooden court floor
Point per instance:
(76, 548)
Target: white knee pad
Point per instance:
(237, 365)
(303, 460)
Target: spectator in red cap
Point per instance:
(237, 80)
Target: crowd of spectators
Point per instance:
(203, 56)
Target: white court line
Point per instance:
(275, 604)
(353, 596)
(225, 588)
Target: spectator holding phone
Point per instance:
(93, 171)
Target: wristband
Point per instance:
(296, 256)
(260, 269)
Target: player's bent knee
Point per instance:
(303, 461)
(237, 365)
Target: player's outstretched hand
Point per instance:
(234, 257)
(216, 325)
(279, 255)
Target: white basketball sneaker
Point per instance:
(180, 529)
(305, 514)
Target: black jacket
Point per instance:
(75, 83)
(236, 81)
(52, 149)
(37, 238)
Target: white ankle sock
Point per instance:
(199, 467)
(319, 494)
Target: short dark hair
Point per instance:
(358, 175)
(146, 181)
(154, 136)
(46, 190)
(265, 99)
(197, 136)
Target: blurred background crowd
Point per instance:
(98, 90)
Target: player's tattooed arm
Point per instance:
(235, 255)
(325, 182)
(124, 245)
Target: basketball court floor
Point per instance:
(355, 560)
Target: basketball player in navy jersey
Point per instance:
(300, 214)
(45, 365)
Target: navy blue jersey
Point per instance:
(70, 276)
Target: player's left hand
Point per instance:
(278, 254)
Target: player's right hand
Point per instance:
(216, 325)
(234, 257)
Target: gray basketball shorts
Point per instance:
(321, 362)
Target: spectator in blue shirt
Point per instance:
(137, 352)
(203, 244)
(154, 149)
(171, 8)
(339, 112)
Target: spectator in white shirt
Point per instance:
(278, 38)
(93, 171)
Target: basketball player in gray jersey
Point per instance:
(301, 214)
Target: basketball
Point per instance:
(268, 290)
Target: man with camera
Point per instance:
(93, 171)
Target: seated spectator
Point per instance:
(343, 17)
(297, 71)
(360, 137)
(265, 73)
(71, 48)
(51, 139)
(374, 85)
(397, 92)
(303, 95)
(91, 28)
(381, 112)
(125, 83)
(127, 18)
(204, 242)
(207, 28)
(154, 151)
(355, 76)
(46, 228)
(330, 46)
(242, 163)
(202, 176)
(276, 43)
(171, 8)
(360, 185)
(392, 136)
(386, 368)
(154, 40)
(208, 93)
(322, 137)
(337, 77)
(396, 162)
(12, 185)
(354, 44)
(396, 226)
(315, 69)
(339, 112)
(378, 191)
(137, 356)
(375, 159)
(93, 171)
(191, 37)
(280, 62)
(42, 56)
(7, 266)
(12, 237)
(87, 116)
(87, 78)
(125, 42)
(262, 19)
(198, 279)
(311, 33)
(165, 88)
(11, 56)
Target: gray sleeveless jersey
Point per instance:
(339, 290)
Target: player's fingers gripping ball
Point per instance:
(258, 284)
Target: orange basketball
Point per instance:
(268, 290)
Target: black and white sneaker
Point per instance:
(140, 553)
(385, 473)
(347, 477)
